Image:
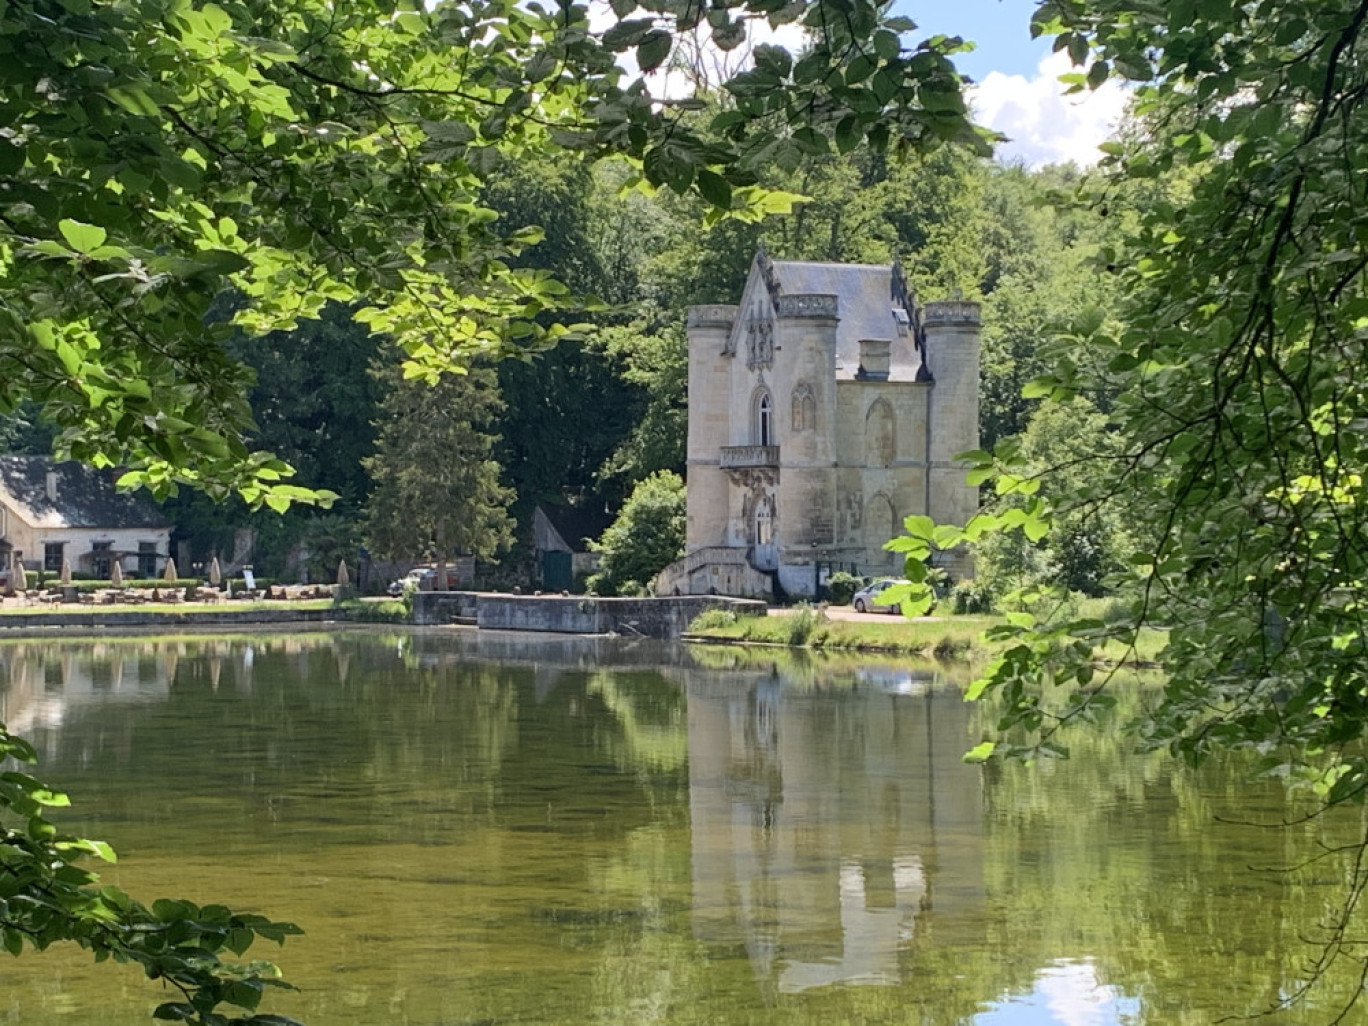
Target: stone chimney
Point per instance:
(52, 485)
(873, 360)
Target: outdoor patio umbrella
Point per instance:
(343, 578)
(215, 573)
(116, 575)
(170, 574)
(65, 579)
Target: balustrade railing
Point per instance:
(736, 457)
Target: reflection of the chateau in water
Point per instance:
(832, 817)
(823, 884)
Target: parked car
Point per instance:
(866, 600)
(420, 578)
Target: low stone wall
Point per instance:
(575, 614)
(150, 618)
(438, 607)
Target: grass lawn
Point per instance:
(938, 637)
(941, 637)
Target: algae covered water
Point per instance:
(482, 828)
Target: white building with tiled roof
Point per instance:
(823, 409)
(52, 511)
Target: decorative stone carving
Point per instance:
(905, 302)
(753, 477)
(817, 306)
(759, 341)
(767, 273)
(741, 457)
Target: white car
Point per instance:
(866, 600)
(422, 578)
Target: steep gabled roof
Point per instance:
(574, 525)
(86, 497)
(872, 301)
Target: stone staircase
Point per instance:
(722, 569)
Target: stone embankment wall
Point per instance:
(574, 614)
(159, 618)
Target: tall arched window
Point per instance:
(764, 421)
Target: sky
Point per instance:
(1017, 90)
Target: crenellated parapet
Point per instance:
(951, 312)
(712, 315)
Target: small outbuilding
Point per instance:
(51, 512)
(561, 536)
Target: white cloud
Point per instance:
(1044, 125)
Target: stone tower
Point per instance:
(952, 345)
(708, 330)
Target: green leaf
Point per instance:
(980, 752)
(175, 1011)
(714, 188)
(1035, 529)
(920, 527)
(653, 49)
(83, 238)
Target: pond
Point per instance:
(484, 828)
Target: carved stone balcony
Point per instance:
(748, 457)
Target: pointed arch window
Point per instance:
(803, 408)
(764, 421)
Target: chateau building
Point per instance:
(823, 409)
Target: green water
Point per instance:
(506, 829)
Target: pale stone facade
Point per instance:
(823, 409)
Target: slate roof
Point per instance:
(86, 497)
(575, 525)
(865, 304)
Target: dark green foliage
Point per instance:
(646, 537)
(841, 588)
(971, 597)
(436, 490)
(314, 400)
(1231, 382)
(568, 411)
